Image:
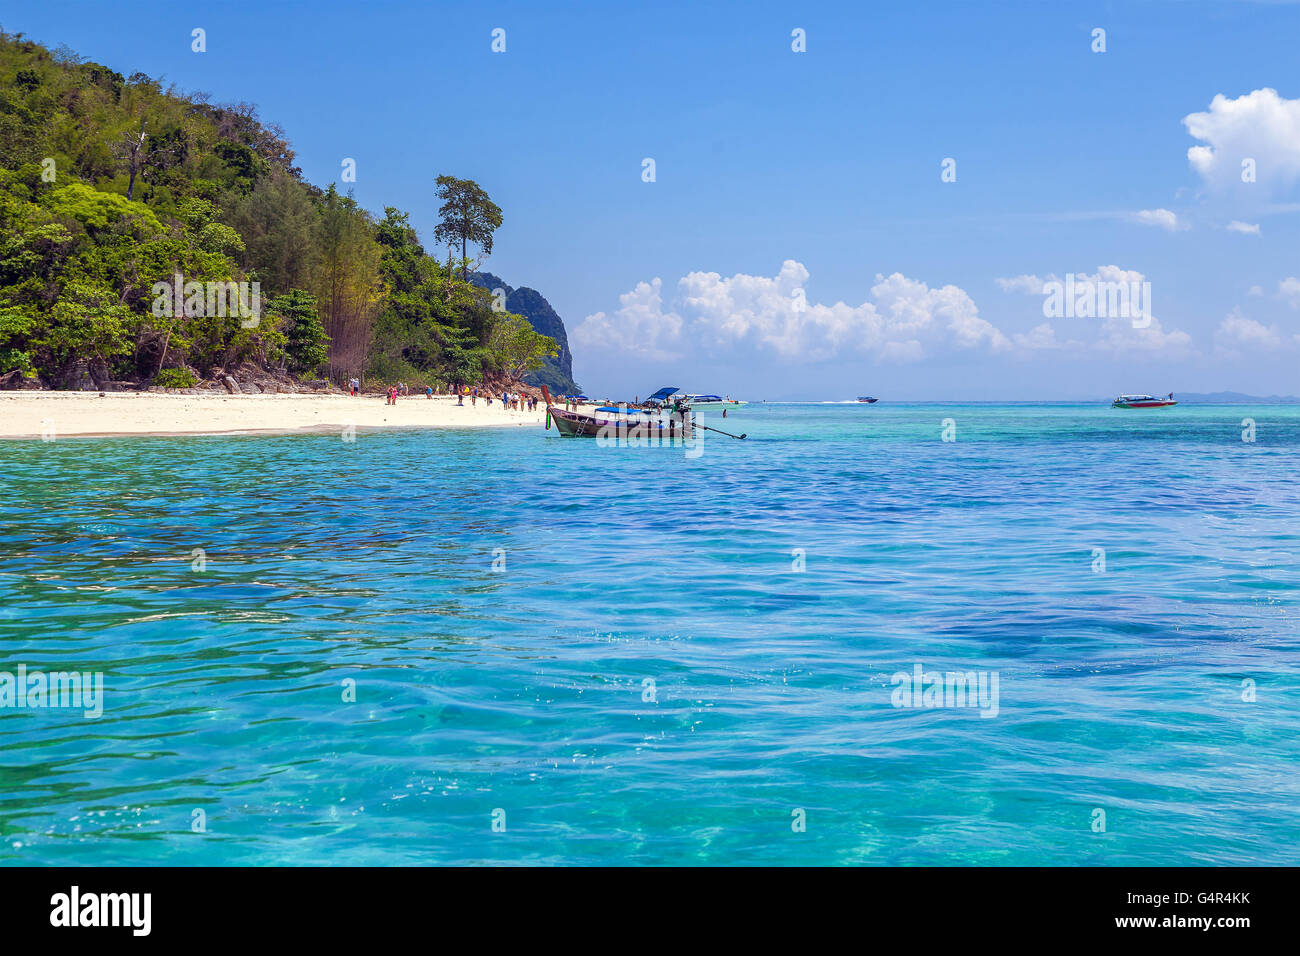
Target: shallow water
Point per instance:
(524, 689)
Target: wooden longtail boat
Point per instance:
(618, 424)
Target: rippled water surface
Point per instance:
(525, 689)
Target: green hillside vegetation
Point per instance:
(111, 184)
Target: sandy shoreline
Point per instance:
(53, 415)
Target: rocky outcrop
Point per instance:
(556, 373)
(16, 380)
(76, 378)
(247, 379)
(250, 379)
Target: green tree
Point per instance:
(516, 347)
(306, 346)
(347, 281)
(466, 215)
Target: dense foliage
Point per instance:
(110, 185)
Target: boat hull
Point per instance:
(1155, 404)
(577, 425)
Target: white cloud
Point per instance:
(1029, 285)
(1243, 227)
(1260, 125)
(905, 320)
(1289, 291)
(1236, 331)
(1043, 338)
(1159, 217)
(642, 326)
(1117, 333)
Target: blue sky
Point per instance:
(803, 241)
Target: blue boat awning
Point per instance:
(662, 394)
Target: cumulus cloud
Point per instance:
(903, 321)
(1243, 227)
(1029, 285)
(1260, 126)
(1289, 291)
(1159, 217)
(1043, 338)
(1236, 332)
(1116, 333)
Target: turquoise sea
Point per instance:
(677, 659)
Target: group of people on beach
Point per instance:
(514, 401)
(402, 389)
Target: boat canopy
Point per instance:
(623, 411)
(663, 394)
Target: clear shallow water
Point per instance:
(522, 689)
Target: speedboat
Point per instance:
(1143, 401)
(698, 400)
(868, 399)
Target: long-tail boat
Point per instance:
(619, 423)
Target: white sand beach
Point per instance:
(71, 414)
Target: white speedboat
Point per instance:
(702, 401)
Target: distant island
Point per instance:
(1234, 398)
(153, 238)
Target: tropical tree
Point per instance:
(306, 346)
(347, 281)
(516, 347)
(466, 215)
